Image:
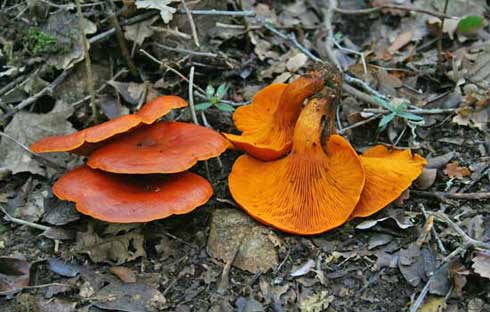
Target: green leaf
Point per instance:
(210, 91)
(222, 89)
(470, 24)
(225, 107)
(385, 104)
(385, 121)
(410, 116)
(202, 106)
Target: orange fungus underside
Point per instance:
(311, 190)
(85, 141)
(128, 199)
(388, 174)
(267, 124)
(164, 147)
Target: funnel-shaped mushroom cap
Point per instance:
(85, 141)
(129, 199)
(164, 147)
(388, 174)
(307, 192)
(267, 124)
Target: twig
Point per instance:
(120, 39)
(462, 196)
(433, 231)
(207, 124)
(36, 156)
(186, 51)
(23, 222)
(332, 4)
(467, 240)
(358, 124)
(191, 23)
(46, 90)
(393, 7)
(191, 96)
(88, 63)
(219, 12)
(420, 111)
(441, 35)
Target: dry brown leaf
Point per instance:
(124, 274)
(402, 40)
(453, 170)
(481, 264)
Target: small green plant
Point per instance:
(214, 98)
(39, 42)
(398, 110)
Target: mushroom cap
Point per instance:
(130, 199)
(85, 141)
(309, 191)
(164, 147)
(388, 174)
(267, 124)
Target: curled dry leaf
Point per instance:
(454, 171)
(14, 274)
(426, 179)
(481, 264)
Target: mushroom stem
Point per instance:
(292, 99)
(307, 133)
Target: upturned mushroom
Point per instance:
(85, 141)
(311, 190)
(388, 174)
(164, 147)
(131, 199)
(267, 124)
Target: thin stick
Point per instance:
(219, 12)
(420, 111)
(88, 63)
(186, 51)
(394, 7)
(332, 4)
(120, 39)
(358, 124)
(191, 96)
(461, 196)
(441, 35)
(46, 90)
(191, 23)
(23, 222)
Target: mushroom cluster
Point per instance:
(291, 180)
(137, 166)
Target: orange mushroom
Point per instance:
(85, 141)
(267, 124)
(311, 190)
(129, 199)
(388, 174)
(164, 147)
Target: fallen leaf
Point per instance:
(402, 40)
(54, 305)
(63, 268)
(454, 171)
(433, 304)
(317, 302)
(481, 264)
(26, 128)
(296, 62)
(166, 11)
(14, 274)
(426, 179)
(248, 305)
(124, 274)
(130, 298)
(139, 32)
(115, 249)
(303, 269)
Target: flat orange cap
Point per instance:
(388, 174)
(267, 124)
(164, 147)
(309, 191)
(85, 141)
(128, 199)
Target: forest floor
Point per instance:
(428, 251)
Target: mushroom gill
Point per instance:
(309, 191)
(267, 124)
